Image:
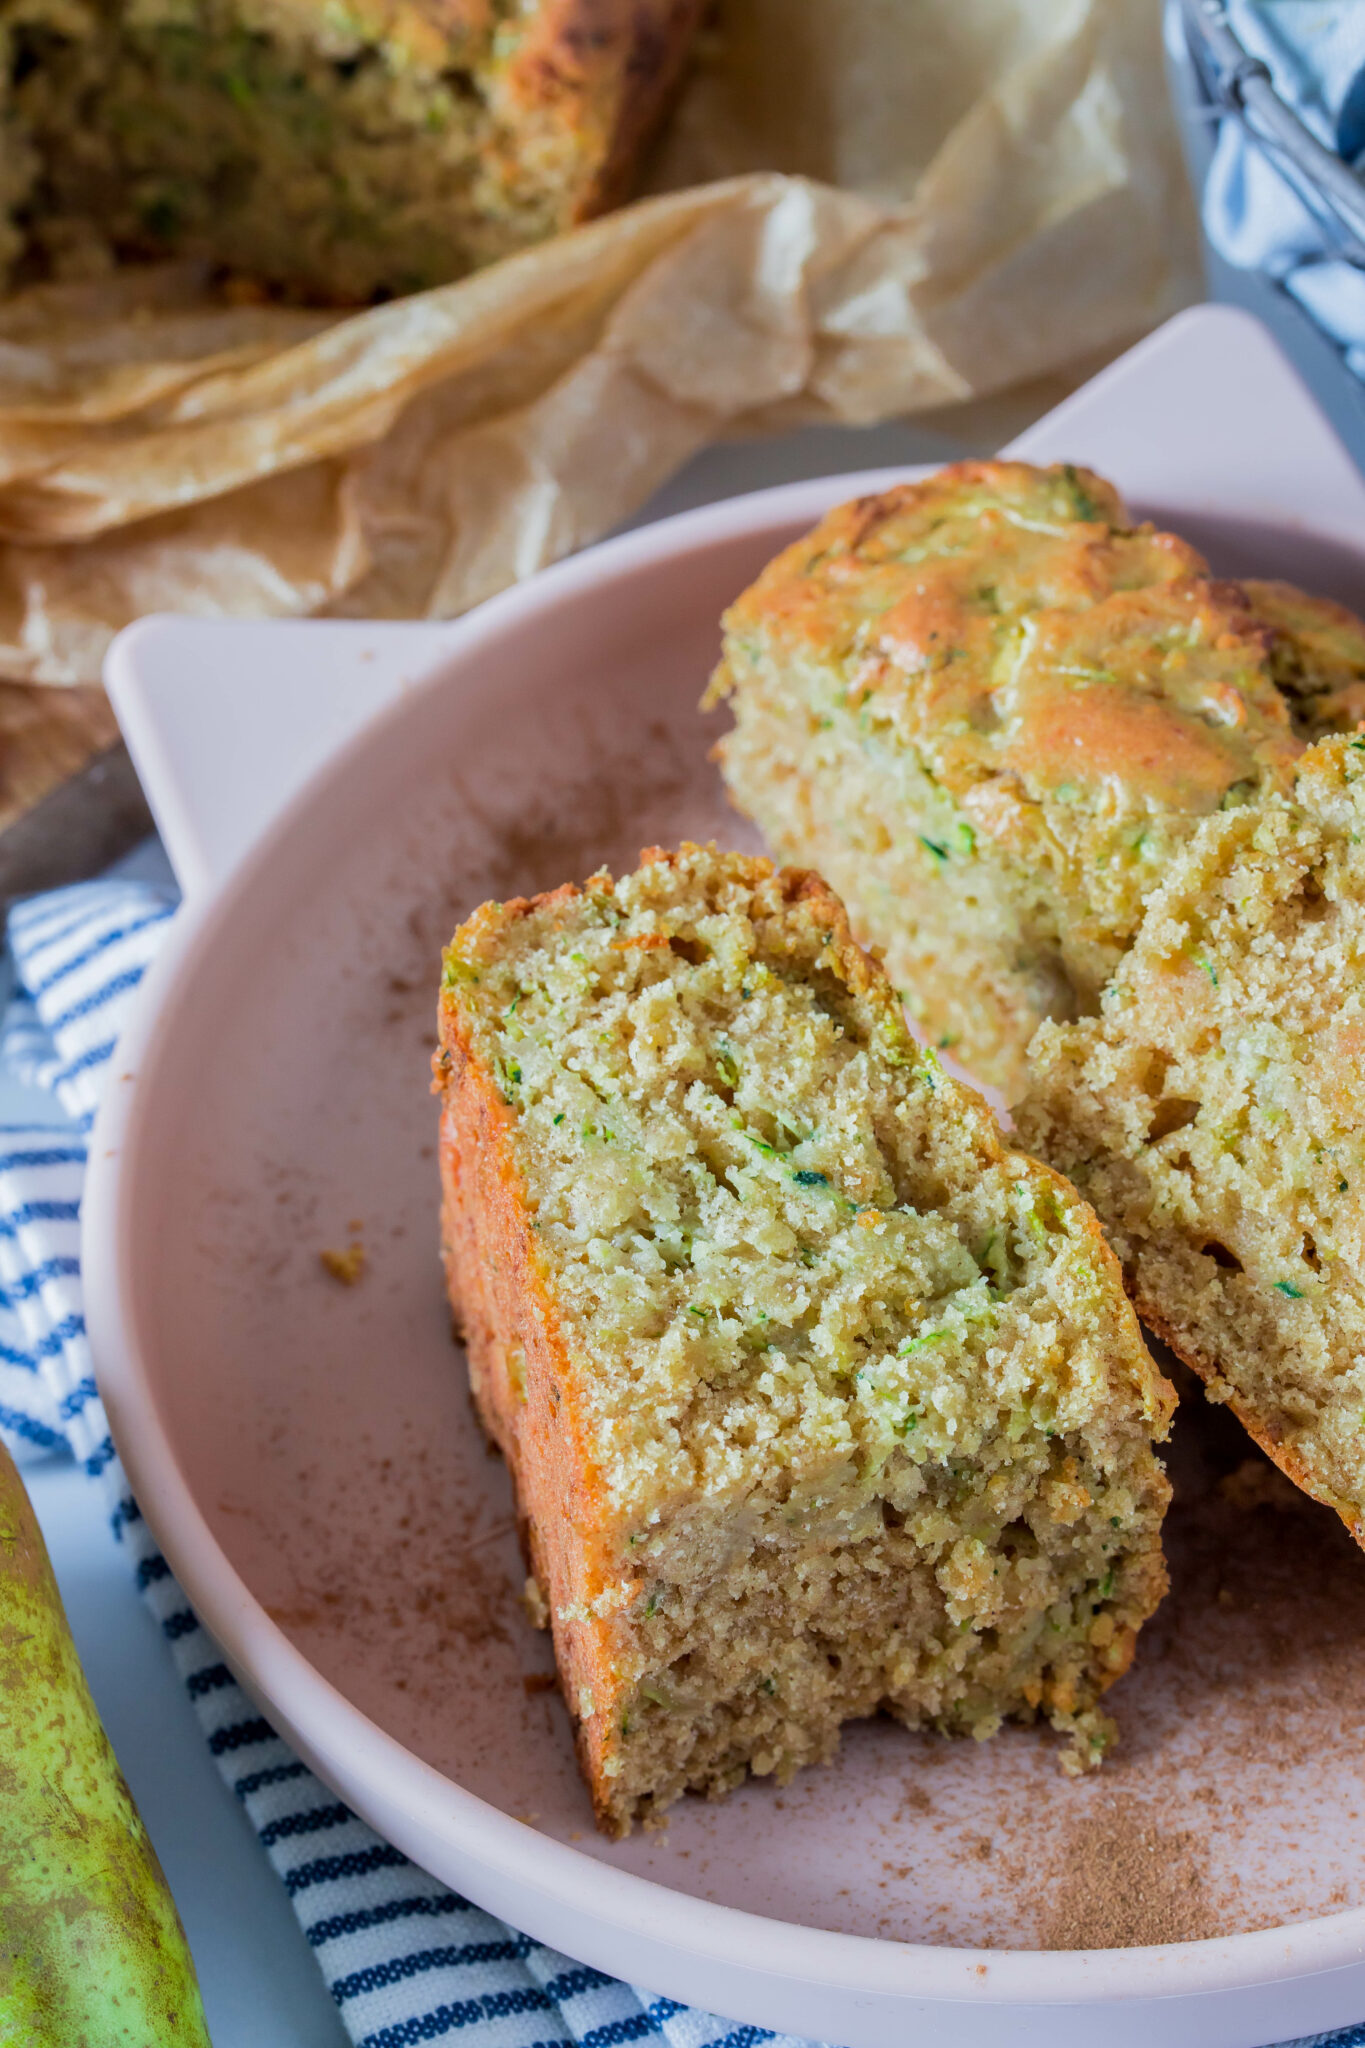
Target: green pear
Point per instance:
(92, 1953)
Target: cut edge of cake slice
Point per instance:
(817, 1399)
(1215, 1115)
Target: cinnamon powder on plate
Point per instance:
(1122, 1879)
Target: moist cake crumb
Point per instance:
(1214, 1113)
(818, 1399)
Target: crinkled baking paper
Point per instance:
(862, 208)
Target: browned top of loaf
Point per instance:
(1017, 626)
(1077, 685)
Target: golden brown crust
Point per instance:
(1262, 1431)
(607, 68)
(1141, 675)
(528, 1408)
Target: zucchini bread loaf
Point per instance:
(817, 1399)
(376, 146)
(1215, 1115)
(990, 708)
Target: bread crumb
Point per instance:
(347, 1266)
(534, 1603)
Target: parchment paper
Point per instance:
(861, 208)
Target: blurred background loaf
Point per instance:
(340, 151)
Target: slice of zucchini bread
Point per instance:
(341, 150)
(989, 708)
(1215, 1115)
(817, 1399)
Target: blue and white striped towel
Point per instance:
(406, 1960)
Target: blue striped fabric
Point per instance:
(407, 1960)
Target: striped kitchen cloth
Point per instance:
(407, 1960)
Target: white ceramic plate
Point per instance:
(307, 1456)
